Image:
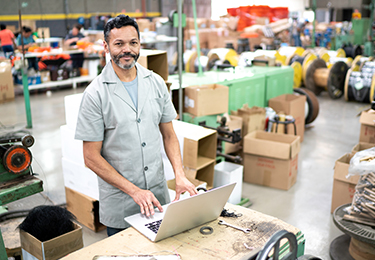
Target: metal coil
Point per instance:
(360, 83)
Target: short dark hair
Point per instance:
(3, 26)
(119, 22)
(26, 29)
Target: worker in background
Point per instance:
(122, 113)
(7, 40)
(71, 41)
(28, 39)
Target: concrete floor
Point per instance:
(306, 205)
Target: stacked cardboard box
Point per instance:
(198, 148)
(293, 105)
(81, 184)
(271, 159)
(6, 81)
(343, 187)
(206, 100)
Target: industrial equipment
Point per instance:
(225, 135)
(16, 176)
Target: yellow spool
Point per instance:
(224, 54)
(341, 53)
(297, 79)
(325, 57)
(281, 58)
(372, 89)
(306, 62)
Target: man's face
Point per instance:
(123, 46)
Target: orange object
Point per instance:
(249, 35)
(83, 44)
(83, 71)
(17, 159)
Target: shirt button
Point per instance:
(138, 120)
(143, 144)
(146, 168)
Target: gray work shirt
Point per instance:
(131, 138)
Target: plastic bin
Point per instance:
(227, 172)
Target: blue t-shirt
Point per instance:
(132, 88)
(26, 41)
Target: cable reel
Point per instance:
(16, 158)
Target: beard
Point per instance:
(116, 59)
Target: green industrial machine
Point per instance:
(16, 178)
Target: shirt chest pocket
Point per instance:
(156, 109)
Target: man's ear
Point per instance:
(105, 45)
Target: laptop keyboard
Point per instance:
(154, 226)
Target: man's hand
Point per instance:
(146, 201)
(182, 185)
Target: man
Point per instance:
(71, 40)
(120, 116)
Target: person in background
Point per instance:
(28, 39)
(124, 114)
(71, 40)
(7, 40)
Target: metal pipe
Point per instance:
(180, 53)
(200, 71)
(25, 83)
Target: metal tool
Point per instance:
(246, 230)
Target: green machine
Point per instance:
(16, 177)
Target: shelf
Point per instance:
(70, 81)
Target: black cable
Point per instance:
(226, 213)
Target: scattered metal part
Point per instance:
(206, 230)
(246, 230)
(248, 247)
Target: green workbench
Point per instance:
(247, 85)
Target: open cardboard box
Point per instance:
(206, 100)
(55, 248)
(84, 208)
(367, 132)
(271, 159)
(293, 105)
(343, 189)
(156, 61)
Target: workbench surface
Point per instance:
(223, 243)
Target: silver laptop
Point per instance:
(182, 215)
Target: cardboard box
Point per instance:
(55, 248)
(362, 146)
(156, 61)
(264, 61)
(206, 100)
(252, 118)
(198, 147)
(367, 132)
(6, 81)
(343, 188)
(342, 193)
(144, 25)
(205, 173)
(293, 105)
(44, 32)
(271, 159)
(85, 208)
(270, 172)
(80, 178)
(72, 104)
(45, 76)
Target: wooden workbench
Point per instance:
(223, 243)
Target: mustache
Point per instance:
(125, 54)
